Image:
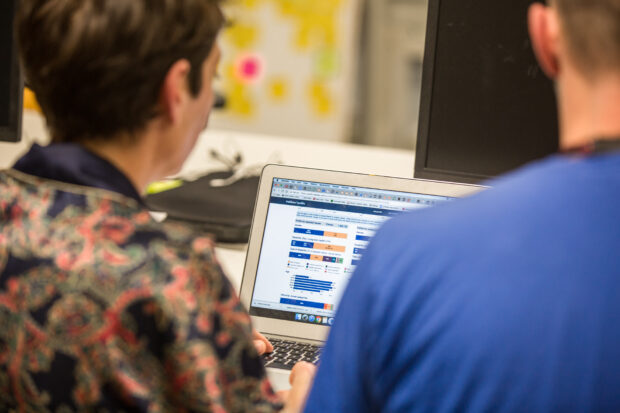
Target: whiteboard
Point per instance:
(289, 67)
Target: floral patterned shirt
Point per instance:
(104, 310)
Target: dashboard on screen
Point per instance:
(315, 236)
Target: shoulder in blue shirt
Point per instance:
(507, 301)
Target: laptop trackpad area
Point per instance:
(279, 378)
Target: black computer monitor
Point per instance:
(11, 84)
(486, 106)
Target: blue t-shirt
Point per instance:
(508, 301)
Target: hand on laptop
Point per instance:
(261, 343)
(301, 379)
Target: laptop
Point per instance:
(309, 232)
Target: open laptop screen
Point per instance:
(315, 235)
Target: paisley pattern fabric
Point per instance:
(102, 309)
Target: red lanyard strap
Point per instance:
(597, 147)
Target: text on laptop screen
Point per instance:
(315, 235)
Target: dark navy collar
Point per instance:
(72, 163)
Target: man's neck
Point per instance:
(589, 110)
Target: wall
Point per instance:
(393, 52)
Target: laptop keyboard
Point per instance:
(287, 353)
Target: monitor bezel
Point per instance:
(12, 131)
(421, 170)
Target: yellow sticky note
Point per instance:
(278, 89)
(239, 101)
(242, 36)
(250, 3)
(320, 99)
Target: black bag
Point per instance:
(226, 212)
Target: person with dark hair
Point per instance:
(102, 308)
(508, 301)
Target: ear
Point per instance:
(174, 92)
(544, 30)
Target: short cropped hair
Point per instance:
(592, 29)
(97, 66)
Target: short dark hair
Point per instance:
(592, 29)
(97, 66)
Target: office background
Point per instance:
(457, 79)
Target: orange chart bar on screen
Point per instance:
(335, 235)
(327, 247)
